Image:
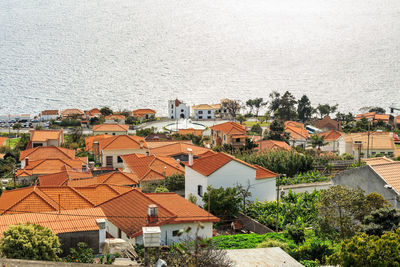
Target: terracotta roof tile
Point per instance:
(202, 107)
(390, 173)
(49, 112)
(44, 135)
(99, 193)
(377, 161)
(377, 140)
(108, 127)
(119, 142)
(151, 167)
(94, 138)
(47, 152)
(331, 135)
(272, 145)
(61, 178)
(3, 141)
(143, 112)
(177, 149)
(263, 173)
(66, 221)
(193, 131)
(115, 117)
(229, 128)
(72, 111)
(155, 144)
(297, 133)
(49, 166)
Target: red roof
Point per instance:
(119, 142)
(129, 211)
(48, 166)
(111, 178)
(49, 112)
(65, 221)
(143, 112)
(177, 149)
(94, 138)
(45, 135)
(272, 145)
(207, 165)
(296, 130)
(152, 167)
(108, 127)
(230, 128)
(62, 178)
(47, 152)
(193, 131)
(115, 117)
(3, 141)
(331, 135)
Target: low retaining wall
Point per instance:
(22, 263)
(251, 225)
(301, 188)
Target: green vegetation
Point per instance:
(30, 242)
(224, 202)
(303, 178)
(83, 254)
(12, 142)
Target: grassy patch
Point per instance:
(12, 142)
(251, 123)
(243, 241)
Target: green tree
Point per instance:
(318, 141)
(369, 250)
(30, 242)
(17, 126)
(224, 202)
(175, 182)
(161, 189)
(326, 109)
(381, 221)
(378, 110)
(287, 107)
(258, 103)
(232, 107)
(304, 109)
(276, 132)
(256, 128)
(83, 254)
(105, 111)
(250, 104)
(241, 118)
(275, 98)
(145, 132)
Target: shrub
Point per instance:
(269, 243)
(301, 178)
(161, 189)
(175, 182)
(83, 254)
(296, 233)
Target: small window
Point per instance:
(119, 159)
(182, 110)
(237, 139)
(175, 233)
(224, 137)
(200, 190)
(209, 112)
(200, 112)
(200, 117)
(209, 117)
(113, 133)
(172, 106)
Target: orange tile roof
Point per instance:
(115, 117)
(2, 141)
(48, 166)
(110, 178)
(377, 161)
(65, 221)
(119, 142)
(44, 135)
(184, 210)
(390, 173)
(294, 123)
(382, 117)
(377, 140)
(100, 193)
(208, 153)
(365, 115)
(94, 138)
(143, 112)
(62, 178)
(229, 128)
(190, 131)
(152, 167)
(272, 145)
(331, 135)
(203, 107)
(207, 165)
(108, 127)
(2, 155)
(297, 133)
(155, 144)
(171, 209)
(49, 112)
(93, 112)
(47, 152)
(72, 111)
(177, 149)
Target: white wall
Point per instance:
(204, 114)
(192, 180)
(116, 153)
(331, 146)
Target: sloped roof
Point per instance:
(377, 161)
(94, 138)
(377, 140)
(44, 135)
(390, 173)
(47, 152)
(142, 112)
(72, 111)
(177, 149)
(155, 144)
(207, 165)
(193, 131)
(2, 141)
(48, 166)
(271, 145)
(115, 117)
(65, 221)
(49, 112)
(111, 178)
(110, 127)
(129, 211)
(203, 107)
(119, 142)
(151, 167)
(331, 135)
(296, 133)
(230, 128)
(61, 178)
(100, 193)
(365, 115)
(93, 112)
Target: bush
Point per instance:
(83, 254)
(175, 182)
(161, 189)
(314, 249)
(30, 242)
(296, 233)
(270, 243)
(302, 178)
(224, 202)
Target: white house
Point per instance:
(169, 211)
(222, 170)
(204, 111)
(47, 115)
(178, 110)
(331, 139)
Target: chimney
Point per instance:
(152, 214)
(147, 153)
(190, 153)
(141, 144)
(84, 168)
(26, 162)
(96, 148)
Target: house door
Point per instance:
(109, 161)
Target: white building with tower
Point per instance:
(178, 110)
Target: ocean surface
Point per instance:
(130, 54)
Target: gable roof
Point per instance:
(119, 142)
(111, 178)
(89, 140)
(48, 166)
(377, 161)
(62, 178)
(49, 112)
(171, 209)
(47, 152)
(203, 107)
(155, 144)
(229, 128)
(271, 145)
(93, 112)
(389, 172)
(142, 112)
(72, 111)
(177, 149)
(331, 135)
(207, 165)
(3, 141)
(110, 127)
(296, 130)
(115, 117)
(44, 135)
(327, 123)
(377, 140)
(151, 167)
(65, 221)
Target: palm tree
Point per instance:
(318, 141)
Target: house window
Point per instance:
(238, 140)
(200, 112)
(200, 190)
(209, 112)
(119, 159)
(224, 137)
(109, 161)
(182, 110)
(209, 117)
(172, 106)
(200, 117)
(113, 133)
(175, 233)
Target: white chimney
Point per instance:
(152, 213)
(141, 144)
(190, 153)
(24, 163)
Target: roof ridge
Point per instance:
(81, 195)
